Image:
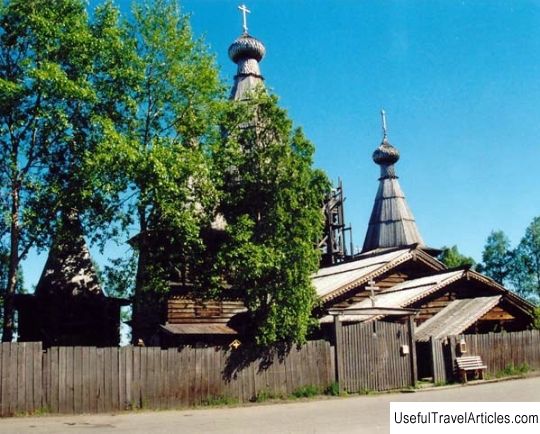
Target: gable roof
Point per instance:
(331, 282)
(403, 294)
(411, 291)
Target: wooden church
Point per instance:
(396, 270)
(69, 306)
(394, 275)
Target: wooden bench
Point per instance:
(470, 363)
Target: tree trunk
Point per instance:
(136, 320)
(8, 326)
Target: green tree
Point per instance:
(537, 318)
(525, 275)
(160, 158)
(452, 258)
(497, 257)
(272, 201)
(56, 72)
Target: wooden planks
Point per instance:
(502, 350)
(438, 367)
(20, 378)
(369, 356)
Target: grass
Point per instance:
(511, 370)
(219, 401)
(365, 391)
(306, 391)
(333, 389)
(266, 395)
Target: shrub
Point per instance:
(306, 391)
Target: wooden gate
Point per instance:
(375, 356)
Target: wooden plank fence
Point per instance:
(89, 379)
(20, 377)
(502, 350)
(367, 357)
(370, 357)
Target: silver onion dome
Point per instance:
(246, 47)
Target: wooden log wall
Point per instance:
(501, 350)
(370, 358)
(89, 379)
(183, 310)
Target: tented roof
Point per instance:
(391, 223)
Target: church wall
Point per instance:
(182, 311)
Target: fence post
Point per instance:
(412, 346)
(338, 333)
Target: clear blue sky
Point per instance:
(460, 81)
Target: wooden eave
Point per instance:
(364, 279)
(416, 254)
(432, 290)
(514, 299)
(422, 256)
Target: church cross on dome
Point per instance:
(245, 11)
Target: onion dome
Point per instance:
(246, 47)
(385, 154)
(246, 51)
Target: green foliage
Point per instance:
(267, 395)
(157, 157)
(537, 318)
(333, 389)
(511, 370)
(220, 401)
(526, 266)
(272, 200)
(517, 268)
(54, 65)
(306, 391)
(451, 257)
(498, 257)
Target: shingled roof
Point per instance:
(457, 317)
(69, 269)
(331, 282)
(392, 223)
